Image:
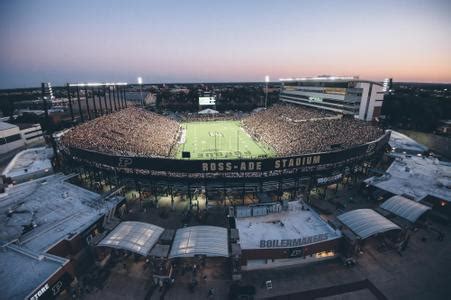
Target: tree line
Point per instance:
(413, 110)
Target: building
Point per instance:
(275, 236)
(13, 137)
(420, 178)
(345, 95)
(31, 134)
(46, 227)
(10, 138)
(444, 127)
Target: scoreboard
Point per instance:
(210, 100)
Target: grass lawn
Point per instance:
(220, 139)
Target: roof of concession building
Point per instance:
(55, 208)
(294, 223)
(52, 210)
(417, 177)
(405, 208)
(366, 222)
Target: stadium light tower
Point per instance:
(140, 82)
(266, 90)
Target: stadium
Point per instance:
(270, 154)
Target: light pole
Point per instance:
(266, 90)
(140, 82)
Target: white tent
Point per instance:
(137, 237)
(200, 240)
(366, 222)
(208, 111)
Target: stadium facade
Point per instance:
(215, 180)
(345, 95)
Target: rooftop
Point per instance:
(137, 237)
(29, 161)
(51, 208)
(417, 177)
(32, 270)
(401, 142)
(33, 217)
(294, 223)
(6, 126)
(405, 208)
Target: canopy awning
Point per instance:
(208, 111)
(366, 222)
(200, 240)
(405, 208)
(137, 237)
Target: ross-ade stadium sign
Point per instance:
(326, 159)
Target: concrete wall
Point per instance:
(8, 147)
(32, 135)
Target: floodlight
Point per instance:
(94, 84)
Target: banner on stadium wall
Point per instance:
(239, 165)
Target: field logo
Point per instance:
(124, 162)
(57, 288)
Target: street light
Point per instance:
(266, 90)
(140, 82)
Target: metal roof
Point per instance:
(6, 126)
(405, 208)
(200, 240)
(366, 222)
(137, 237)
(298, 221)
(56, 208)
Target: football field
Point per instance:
(220, 140)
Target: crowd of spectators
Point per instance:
(292, 130)
(132, 132)
(288, 129)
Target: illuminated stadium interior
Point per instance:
(281, 130)
(219, 139)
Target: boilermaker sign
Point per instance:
(252, 166)
(293, 242)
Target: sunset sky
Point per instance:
(208, 41)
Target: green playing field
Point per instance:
(220, 139)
